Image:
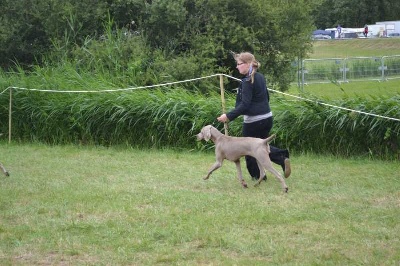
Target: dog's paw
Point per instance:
(244, 185)
(286, 190)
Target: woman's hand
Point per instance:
(223, 118)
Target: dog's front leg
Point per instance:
(215, 166)
(239, 173)
(262, 174)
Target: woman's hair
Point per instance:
(248, 58)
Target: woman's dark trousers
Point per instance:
(261, 129)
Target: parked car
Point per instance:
(321, 37)
(395, 34)
(350, 35)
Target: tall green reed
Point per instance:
(147, 118)
(304, 125)
(170, 117)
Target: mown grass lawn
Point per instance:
(74, 205)
(347, 48)
(355, 47)
(364, 90)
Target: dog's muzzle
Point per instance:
(199, 136)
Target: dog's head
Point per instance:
(205, 133)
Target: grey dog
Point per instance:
(233, 148)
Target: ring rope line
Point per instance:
(196, 79)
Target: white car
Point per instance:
(321, 37)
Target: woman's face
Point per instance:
(242, 67)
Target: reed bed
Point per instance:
(310, 126)
(170, 117)
(150, 118)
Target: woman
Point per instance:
(252, 101)
(365, 32)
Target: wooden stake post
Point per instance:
(9, 117)
(221, 85)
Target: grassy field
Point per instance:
(356, 47)
(70, 205)
(365, 89)
(353, 48)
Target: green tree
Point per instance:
(197, 32)
(124, 12)
(277, 32)
(354, 13)
(28, 28)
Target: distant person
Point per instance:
(339, 30)
(365, 30)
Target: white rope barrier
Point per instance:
(337, 107)
(329, 105)
(196, 79)
(119, 90)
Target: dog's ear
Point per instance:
(206, 131)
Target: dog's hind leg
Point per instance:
(266, 164)
(280, 179)
(239, 173)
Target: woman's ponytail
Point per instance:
(254, 66)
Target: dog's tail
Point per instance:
(270, 138)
